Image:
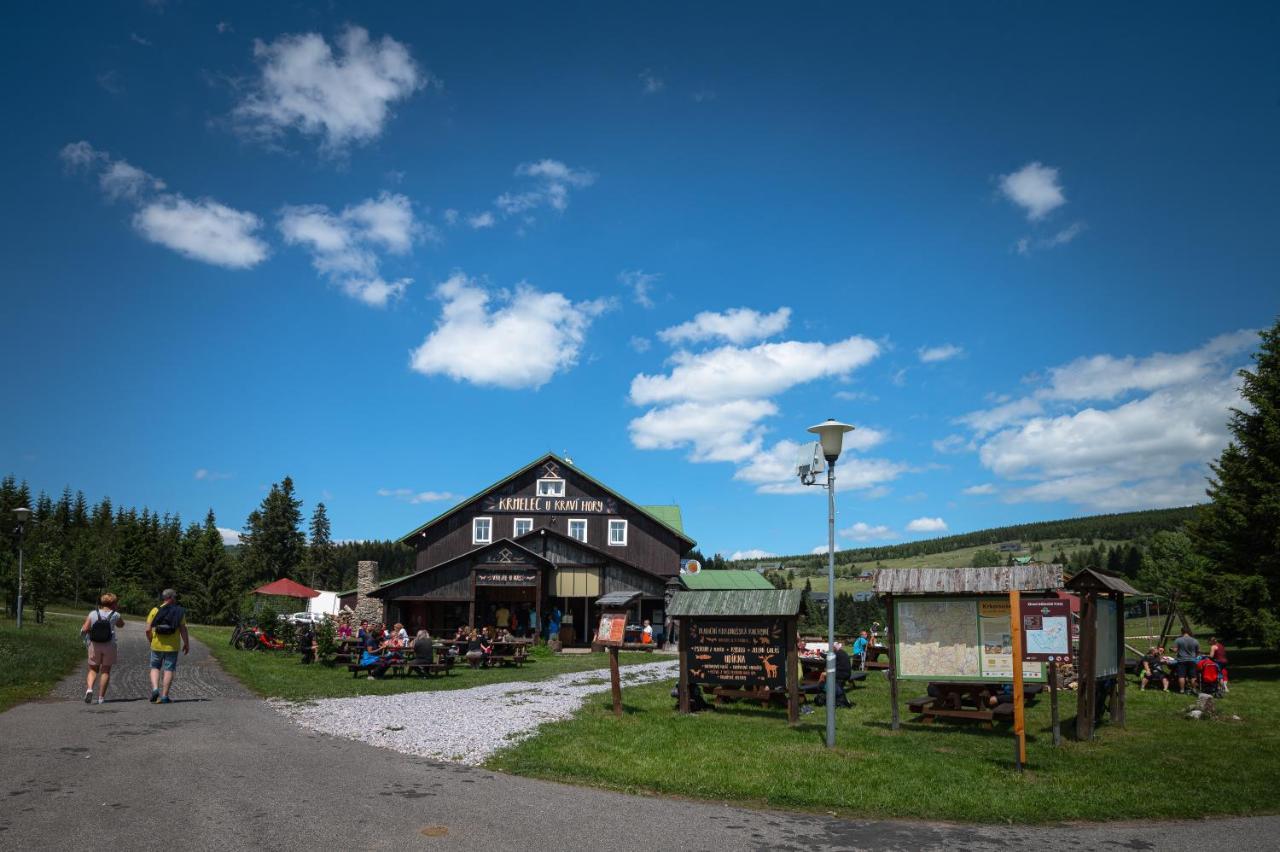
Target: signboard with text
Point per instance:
(505, 577)
(742, 653)
(1046, 630)
(613, 627)
(957, 638)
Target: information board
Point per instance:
(1104, 652)
(956, 638)
(745, 654)
(613, 627)
(1046, 630)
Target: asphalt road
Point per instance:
(219, 769)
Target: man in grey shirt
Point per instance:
(1186, 650)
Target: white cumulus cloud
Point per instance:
(736, 325)
(518, 339)
(933, 354)
(640, 283)
(984, 488)
(229, 536)
(927, 525)
(204, 229)
(862, 531)
(753, 553)
(1034, 188)
(408, 495)
(343, 97)
(346, 246)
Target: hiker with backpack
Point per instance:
(167, 630)
(99, 632)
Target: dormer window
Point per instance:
(550, 487)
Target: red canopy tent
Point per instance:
(286, 588)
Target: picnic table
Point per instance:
(874, 653)
(402, 662)
(969, 700)
(514, 652)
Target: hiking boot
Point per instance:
(88, 696)
(155, 696)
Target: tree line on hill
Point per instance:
(74, 551)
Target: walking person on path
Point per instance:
(167, 630)
(1186, 649)
(99, 632)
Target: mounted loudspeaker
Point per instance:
(810, 462)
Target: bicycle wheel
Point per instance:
(247, 642)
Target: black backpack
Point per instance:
(167, 619)
(100, 630)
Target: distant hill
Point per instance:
(1125, 526)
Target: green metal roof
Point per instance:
(705, 581)
(730, 602)
(669, 515)
(664, 515)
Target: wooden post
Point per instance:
(684, 665)
(1053, 704)
(1086, 668)
(1117, 698)
(793, 663)
(615, 680)
(890, 629)
(1019, 699)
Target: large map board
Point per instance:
(956, 638)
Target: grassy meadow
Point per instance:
(273, 674)
(34, 659)
(1162, 766)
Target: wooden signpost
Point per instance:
(1046, 638)
(1019, 699)
(611, 632)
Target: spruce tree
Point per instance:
(274, 542)
(320, 550)
(1239, 531)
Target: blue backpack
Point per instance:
(167, 619)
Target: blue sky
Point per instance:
(398, 251)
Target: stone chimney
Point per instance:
(367, 608)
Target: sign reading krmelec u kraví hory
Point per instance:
(550, 505)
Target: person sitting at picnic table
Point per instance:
(423, 649)
(1218, 653)
(371, 655)
(1153, 670)
(401, 634)
(646, 635)
(344, 630)
(462, 634)
(475, 656)
(363, 633)
(486, 648)
(504, 635)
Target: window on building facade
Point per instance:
(522, 526)
(481, 530)
(550, 487)
(578, 529)
(617, 533)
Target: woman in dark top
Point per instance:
(423, 648)
(475, 656)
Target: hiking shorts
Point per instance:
(102, 654)
(1186, 669)
(168, 660)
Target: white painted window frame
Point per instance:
(559, 483)
(586, 529)
(475, 538)
(515, 527)
(625, 527)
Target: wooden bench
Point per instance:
(427, 669)
(392, 669)
(725, 694)
(921, 704)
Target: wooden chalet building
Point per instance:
(546, 537)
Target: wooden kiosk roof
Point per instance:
(737, 602)
(968, 581)
(1091, 580)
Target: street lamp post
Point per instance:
(831, 436)
(22, 514)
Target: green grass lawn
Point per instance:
(35, 658)
(279, 675)
(1161, 766)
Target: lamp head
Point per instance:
(831, 435)
(22, 514)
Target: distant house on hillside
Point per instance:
(1009, 546)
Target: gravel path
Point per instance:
(442, 725)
